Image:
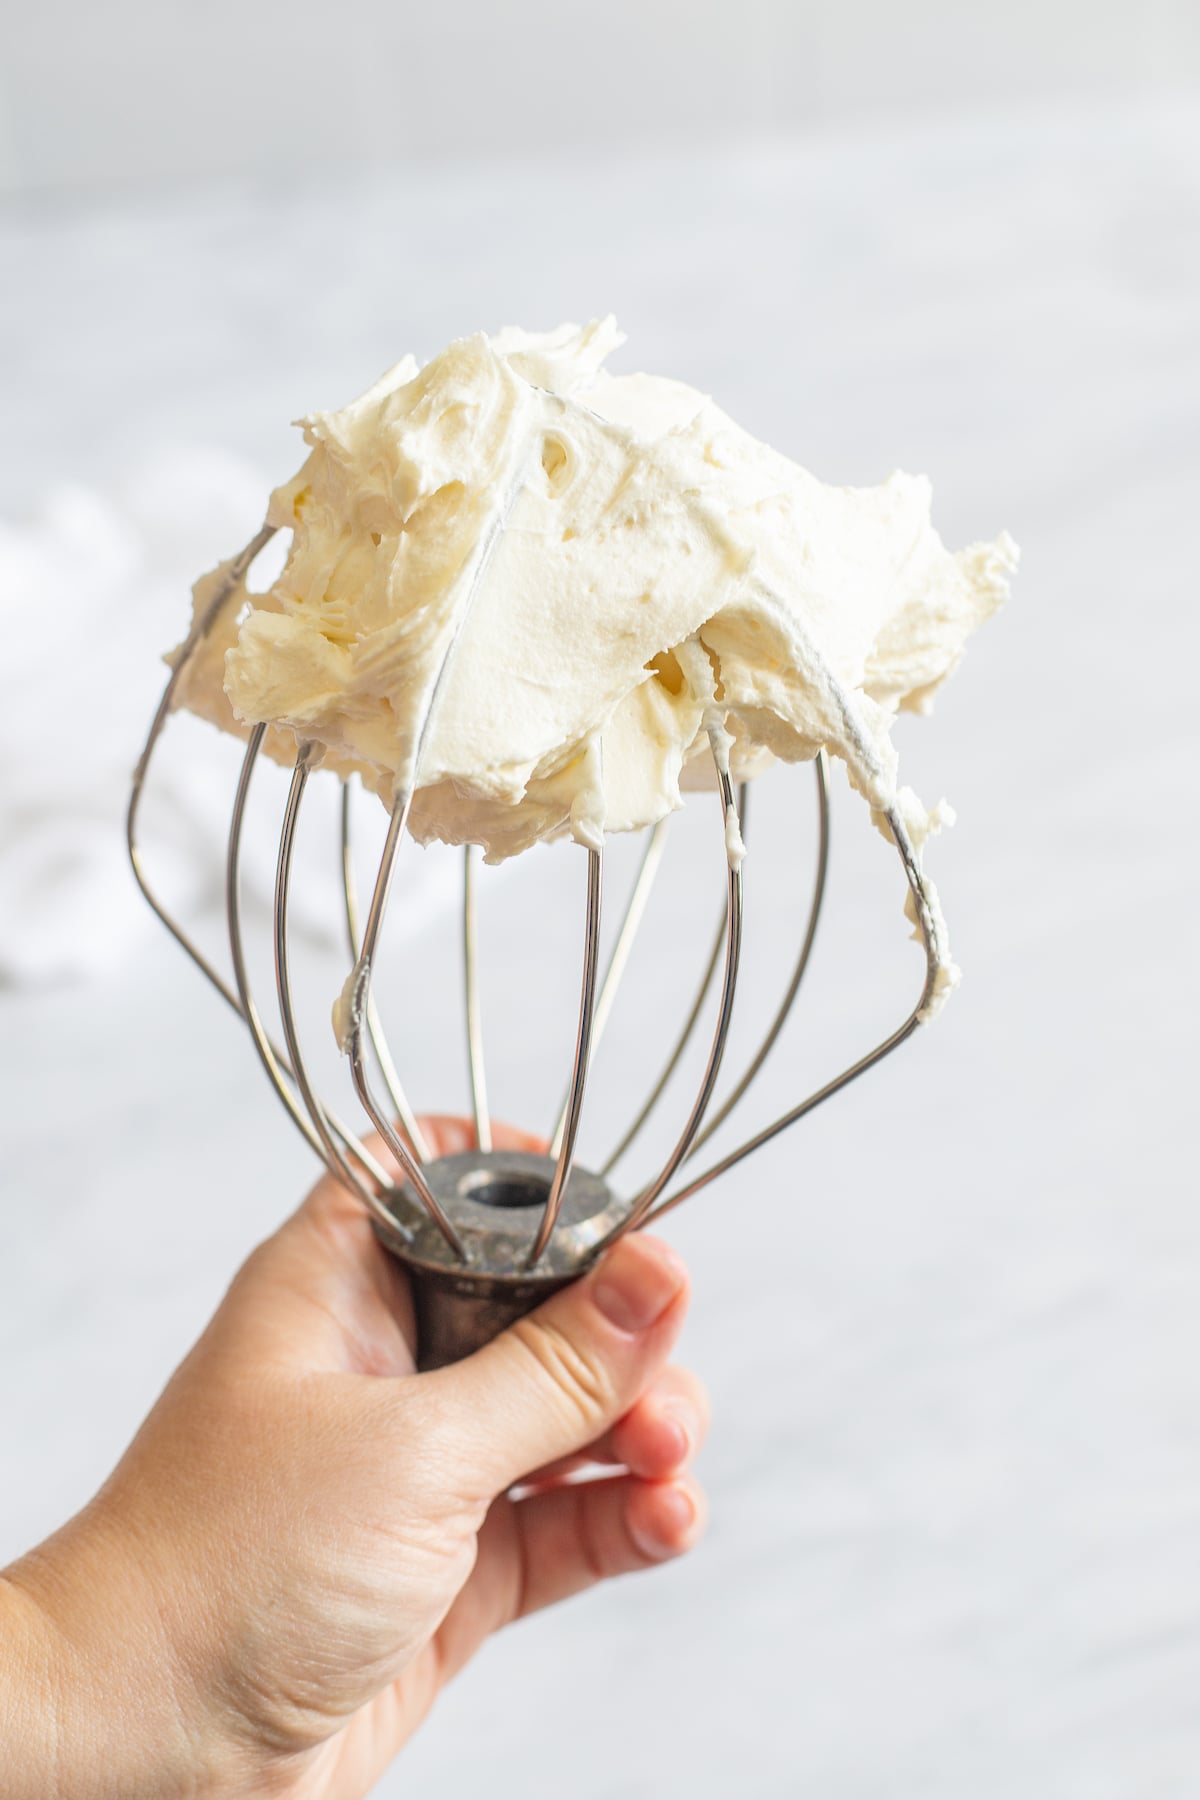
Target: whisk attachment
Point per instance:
(487, 1233)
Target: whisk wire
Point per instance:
(200, 630)
(474, 1011)
(583, 1045)
(733, 948)
(627, 931)
(283, 880)
(278, 1069)
(785, 1006)
(274, 1057)
(379, 1043)
(929, 938)
(689, 1025)
(359, 986)
(360, 990)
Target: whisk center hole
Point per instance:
(502, 1187)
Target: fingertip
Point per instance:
(665, 1518)
(656, 1439)
(639, 1280)
(664, 1252)
(449, 1134)
(675, 1446)
(511, 1137)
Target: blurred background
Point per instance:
(133, 92)
(951, 1321)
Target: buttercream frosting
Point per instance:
(529, 594)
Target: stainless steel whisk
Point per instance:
(488, 1233)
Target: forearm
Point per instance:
(90, 1704)
(28, 1704)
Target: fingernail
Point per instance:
(636, 1283)
(675, 1514)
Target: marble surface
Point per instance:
(951, 1322)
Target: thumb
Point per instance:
(554, 1381)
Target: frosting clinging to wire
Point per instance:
(523, 588)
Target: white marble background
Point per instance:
(951, 1323)
(136, 91)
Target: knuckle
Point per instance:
(580, 1378)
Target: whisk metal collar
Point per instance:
(494, 1200)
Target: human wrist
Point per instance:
(28, 1749)
(95, 1705)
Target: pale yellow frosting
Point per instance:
(530, 591)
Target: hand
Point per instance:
(306, 1540)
